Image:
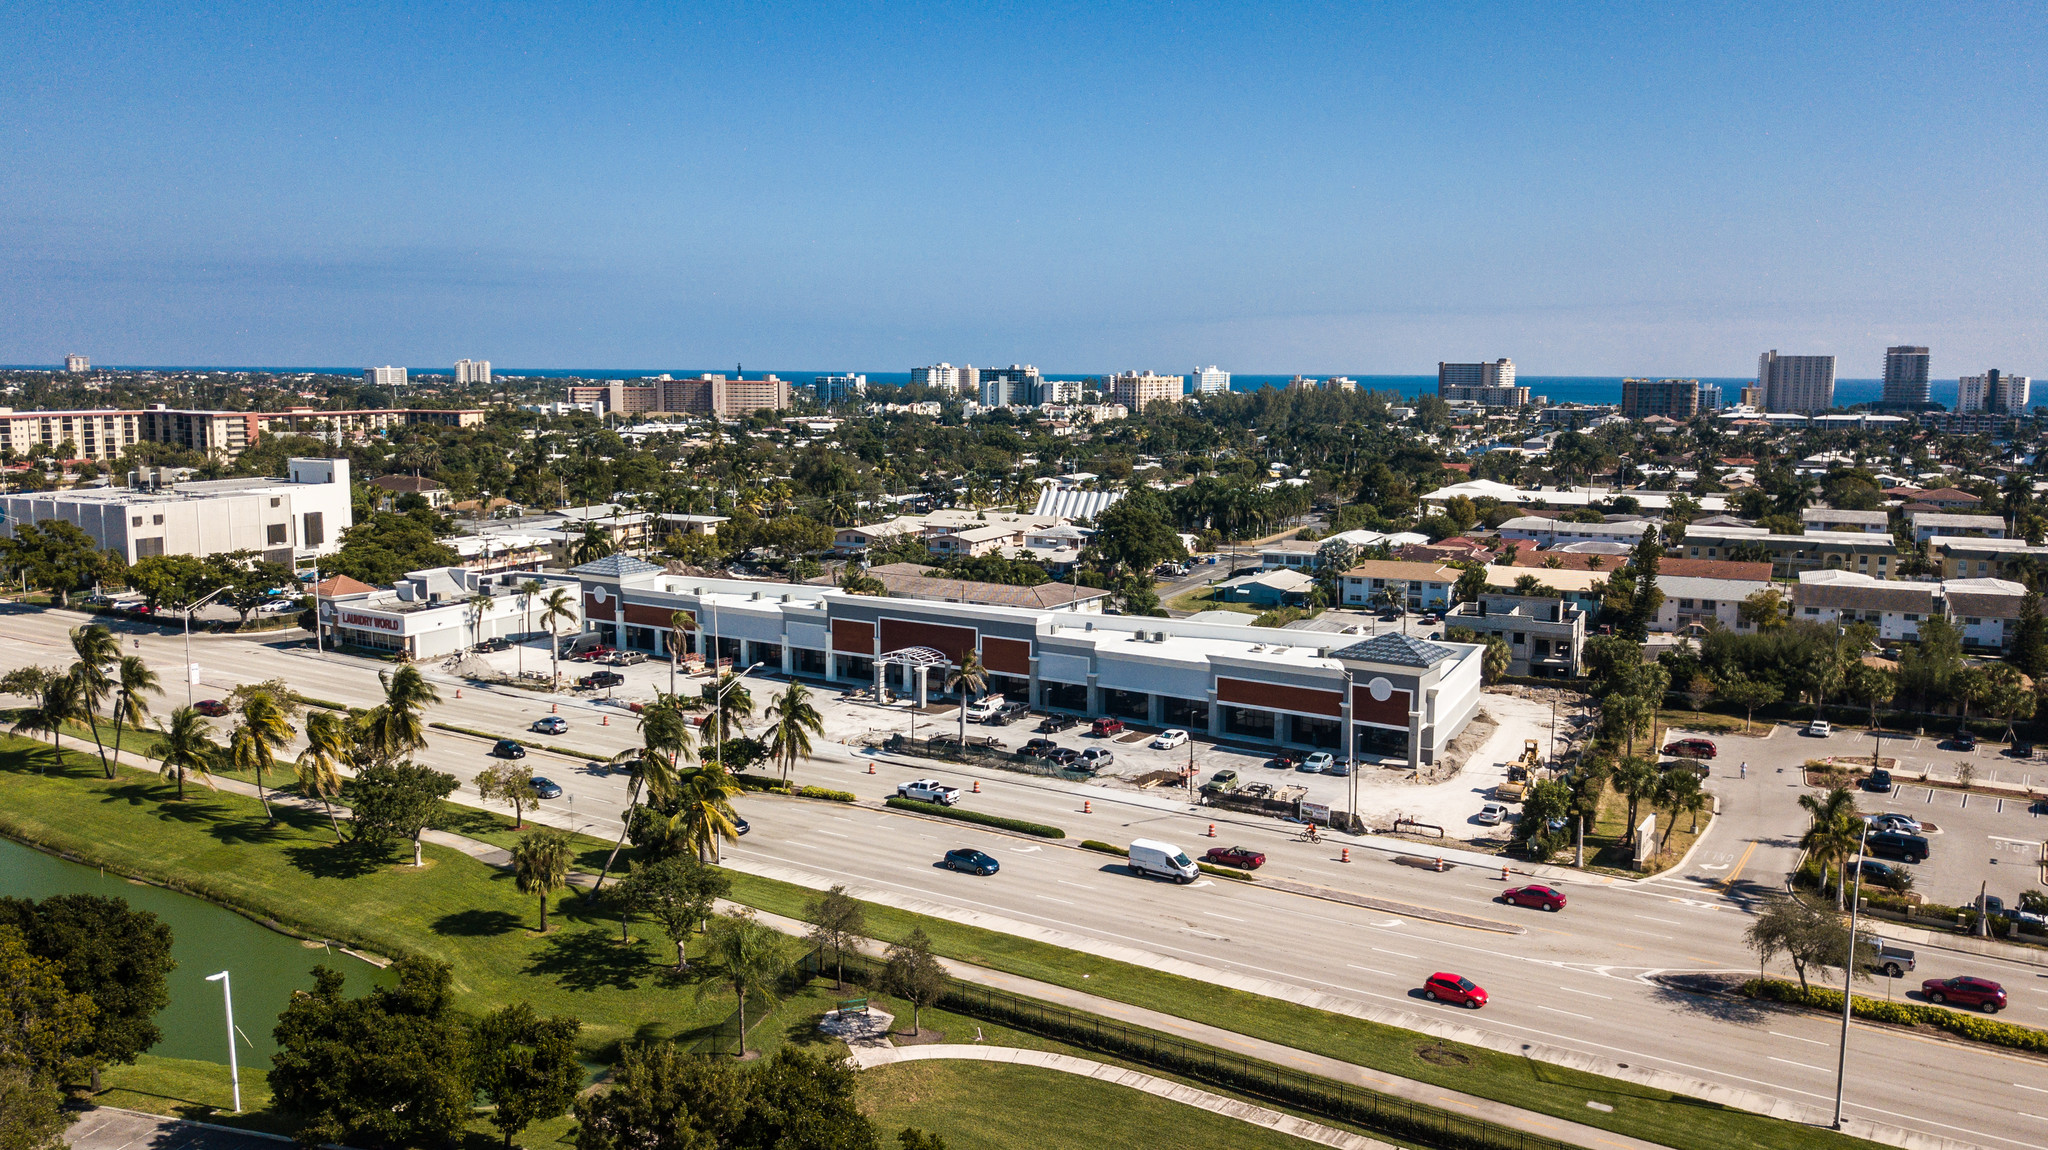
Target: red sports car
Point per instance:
(212, 708)
(1455, 989)
(1243, 858)
(1541, 897)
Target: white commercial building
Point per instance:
(939, 377)
(1555, 532)
(76, 364)
(291, 520)
(384, 376)
(442, 611)
(469, 371)
(1210, 380)
(1998, 392)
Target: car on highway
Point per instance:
(1691, 748)
(1964, 740)
(1169, 738)
(1317, 762)
(1887, 957)
(1966, 990)
(928, 791)
(1878, 781)
(1455, 989)
(549, 725)
(545, 787)
(1096, 758)
(211, 708)
(970, 861)
(1054, 724)
(1819, 729)
(1037, 748)
(1104, 728)
(1243, 858)
(1893, 821)
(1492, 814)
(1540, 897)
(508, 749)
(1222, 782)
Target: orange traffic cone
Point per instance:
(604, 721)
(977, 786)
(458, 692)
(1439, 864)
(1212, 830)
(871, 768)
(1087, 807)
(1347, 854)
(553, 707)
(1503, 872)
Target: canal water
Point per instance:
(265, 966)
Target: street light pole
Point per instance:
(1849, 972)
(227, 995)
(189, 608)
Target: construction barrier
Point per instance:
(977, 786)
(1212, 830)
(1347, 855)
(1087, 807)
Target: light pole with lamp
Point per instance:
(1848, 973)
(718, 706)
(227, 995)
(189, 675)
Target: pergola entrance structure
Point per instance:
(920, 660)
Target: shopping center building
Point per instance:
(1405, 698)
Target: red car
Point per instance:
(1455, 989)
(1963, 990)
(211, 708)
(1540, 897)
(1107, 727)
(1243, 858)
(1691, 748)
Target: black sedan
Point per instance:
(1036, 748)
(509, 749)
(971, 861)
(1054, 724)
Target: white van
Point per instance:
(1150, 856)
(981, 709)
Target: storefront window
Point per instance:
(1245, 721)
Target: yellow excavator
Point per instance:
(1519, 773)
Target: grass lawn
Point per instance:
(467, 914)
(1604, 838)
(1204, 599)
(1706, 722)
(974, 1106)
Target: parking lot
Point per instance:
(1973, 839)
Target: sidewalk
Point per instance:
(111, 1128)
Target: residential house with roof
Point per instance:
(1815, 550)
(1835, 519)
(394, 487)
(1986, 610)
(1692, 603)
(1947, 499)
(1277, 588)
(1980, 558)
(1546, 636)
(1928, 524)
(1416, 586)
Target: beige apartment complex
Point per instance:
(1139, 389)
(704, 395)
(104, 434)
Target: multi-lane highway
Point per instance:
(1573, 987)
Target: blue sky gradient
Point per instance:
(1589, 189)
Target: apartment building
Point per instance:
(1905, 378)
(704, 395)
(1416, 586)
(468, 371)
(1486, 384)
(1060, 392)
(1995, 392)
(1016, 384)
(1138, 390)
(943, 377)
(1210, 380)
(1964, 558)
(1928, 524)
(1713, 604)
(1790, 554)
(1796, 383)
(386, 376)
(1546, 532)
(289, 520)
(1672, 398)
(1833, 519)
(1985, 610)
(362, 423)
(1546, 636)
(838, 388)
(76, 365)
(103, 435)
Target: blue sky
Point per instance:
(1588, 189)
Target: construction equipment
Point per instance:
(1532, 758)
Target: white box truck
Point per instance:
(1150, 856)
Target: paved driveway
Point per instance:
(105, 1128)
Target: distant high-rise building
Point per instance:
(1060, 391)
(1210, 380)
(472, 371)
(391, 377)
(839, 388)
(1753, 397)
(704, 395)
(938, 377)
(1997, 392)
(1673, 398)
(1486, 384)
(1340, 383)
(1138, 390)
(970, 380)
(1004, 386)
(1710, 397)
(77, 364)
(1905, 377)
(1796, 383)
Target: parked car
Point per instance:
(598, 680)
(1283, 761)
(1892, 821)
(1222, 782)
(1162, 860)
(1963, 740)
(211, 708)
(1316, 762)
(279, 607)
(1036, 748)
(1819, 728)
(2020, 749)
(1540, 897)
(626, 658)
(1054, 724)
(1879, 780)
(1063, 756)
(1104, 728)
(546, 788)
(1096, 758)
(1008, 713)
(1243, 858)
(495, 643)
(1455, 989)
(1965, 990)
(508, 749)
(971, 861)
(1696, 766)
(1492, 814)
(1896, 844)
(549, 725)
(1691, 748)
(1339, 767)
(1873, 871)
(1169, 738)
(928, 791)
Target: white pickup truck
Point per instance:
(928, 791)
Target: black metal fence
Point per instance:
(948, 749)
(1310, 1094)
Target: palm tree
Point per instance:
(664, 746)
(969, 679)
(556, 605)
(186, 746)
(98, 651)
(131, 709)
(328, 743)
(792, 720)
(730, 704)
(60, 703)
(678, 622)
(596, 543)
(705, 812)
(1834, 833)
(527, 590)
(479, 606)
(751, 958)
(1636, 780)
(254, 743)
(393, 727)
(540, 864)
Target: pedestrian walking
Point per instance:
(1745, 768)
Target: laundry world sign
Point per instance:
(351, 619)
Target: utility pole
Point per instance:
(1848, 973)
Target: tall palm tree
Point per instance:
(705, 813)
(187, 746)
(678, 622)
(1834, 833)
(479, 606)
(527, 590)
(60, 703)
(134, 682)
(969, 678)
(792, 720)
(664, 747)
(393, 727)
(253, 744)
(556, 605)
(98, 652)
(328, 744)
(595, 543)
(729, 704)
(540, 865)
(750, 957)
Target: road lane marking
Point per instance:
(1729, 881)
(1049, 898)
(1395, 953)
(1574, 1014)
(1372, 970)
(1796, 1038)
(1809, 1066)
(1587, 993)
(1075, 885)
(2035, 1089)
(1231, 917)
(1665, 921)
(834, 834)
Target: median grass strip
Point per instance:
(1973, 1027)
(987, 820)
(221, 847)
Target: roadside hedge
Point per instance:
(769, 784)
(1975, 1027)
(470, 731)
(1105, 848)
(997, 821)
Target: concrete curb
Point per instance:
(870, 1057)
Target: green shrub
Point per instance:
(997, 821)
(1975, 1027)
(465, 731)
(592, 756)
(1225, 871)
(1105, 848)
(826, 793)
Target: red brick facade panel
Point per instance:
(1006, 656)
(1276, 697)
(955, 642)
(853, 637)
